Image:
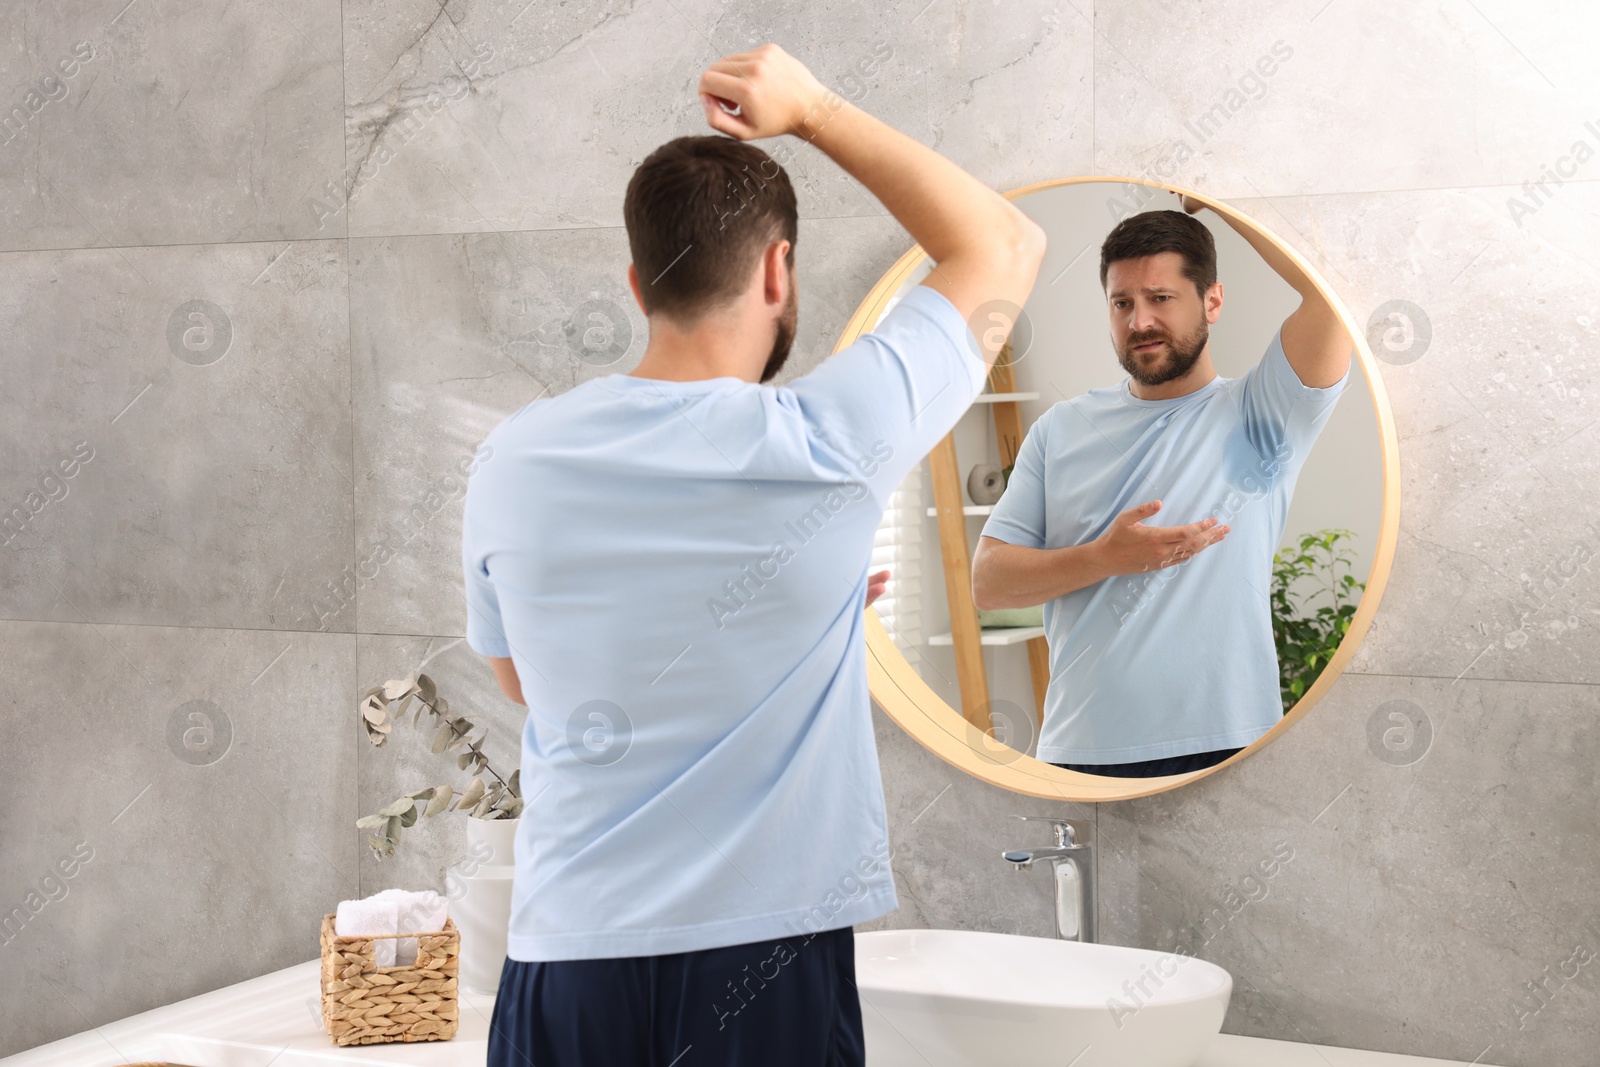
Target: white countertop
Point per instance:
(274, 1019)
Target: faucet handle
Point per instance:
(1068, 831)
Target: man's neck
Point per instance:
(663, 368)
(693, 356)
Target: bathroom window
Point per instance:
(898, 547)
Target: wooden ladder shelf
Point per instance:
(952, 523)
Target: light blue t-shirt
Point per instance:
(1178, 660)
(678, 571)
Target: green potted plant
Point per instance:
(1308, 626)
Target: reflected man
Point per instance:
(1162, 659)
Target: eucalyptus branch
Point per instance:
(500, 800)
(456, 732)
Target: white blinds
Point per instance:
(898, 547)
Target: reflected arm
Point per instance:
(1015, 576)
(1314, 339)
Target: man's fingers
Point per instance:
(1195, 529)
(1179, 534)
(1204, 541)
(716, 118)
(1134, 514)
(1193, 547)
(1208, 537)
(726, 84)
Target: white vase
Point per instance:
(479, 889)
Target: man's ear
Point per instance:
(776, 273)
(1214, 304)
(633, 283)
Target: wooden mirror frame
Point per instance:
(922, 713)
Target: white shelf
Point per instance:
(970, 509)
(998, 398)
(1008, 635)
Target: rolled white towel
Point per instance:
(369, 917)
(419, 912)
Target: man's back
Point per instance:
(678, 570)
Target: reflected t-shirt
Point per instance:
(678, 571)
(1178, 660)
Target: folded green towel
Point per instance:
(1010, 617)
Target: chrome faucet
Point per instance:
(1071, 869)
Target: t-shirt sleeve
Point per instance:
(485, 632)
(1282, 415)
(881, 404)
(1018, 517)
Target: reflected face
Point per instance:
(783, 339)
(1158, 321)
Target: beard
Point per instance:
(783, 340)
(1182, 354)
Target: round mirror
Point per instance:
(1096, 692)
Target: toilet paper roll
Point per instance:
(985, 483)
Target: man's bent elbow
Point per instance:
(982, 593)
(1034, 240)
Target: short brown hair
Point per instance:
(699, 213)
(1153, 232)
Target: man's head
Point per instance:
(712, 223)
(1159, 271)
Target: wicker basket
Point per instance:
(363, 1004)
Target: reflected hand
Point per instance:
(1130, 547)
(1190, 204)
(876, 583)
(771, 90)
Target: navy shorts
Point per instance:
(789, 1002)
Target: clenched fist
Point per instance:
(772, 92)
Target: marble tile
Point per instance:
(451, 335)
(947, 831)
(1496, 410)
(473, 117)
(176, 123)
(199, 397)
(1254, 98)
(1391, 893)
(198, 785)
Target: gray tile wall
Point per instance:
(389, 209)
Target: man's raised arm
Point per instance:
(1314, 339)
(983, 248)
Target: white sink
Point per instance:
(272, 1020)
(941, 998)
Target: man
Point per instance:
(1162, 659)
(669, 567)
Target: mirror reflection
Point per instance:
(1169, 494)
